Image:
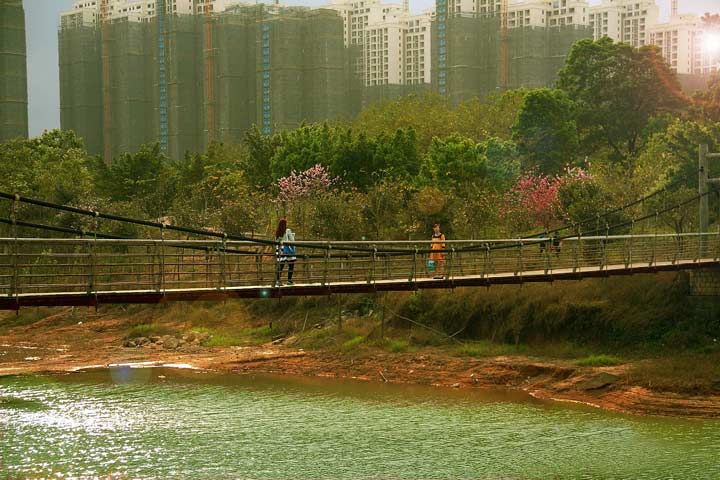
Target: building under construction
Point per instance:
(187, 80)
(13, 71)
(468, 51)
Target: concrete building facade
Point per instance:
(394, 46)
(627, 21)
(690, 46)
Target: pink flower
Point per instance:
(297, 186)
(534, 199)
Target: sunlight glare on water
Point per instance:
(158, 423)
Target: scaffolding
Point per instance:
(188, 80)
(132, 96)
(81, 99)
(235, 72)
(13, 71)
(471, 61)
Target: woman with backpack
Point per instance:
(283, 252)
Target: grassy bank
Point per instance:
(670, 339)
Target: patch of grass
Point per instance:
(600, 361)
(487, 349)
(26, 316)
(149, 330)
(399, 346)
(567, 350)
(262, 334)
(231, 337)
(220, 340)
(687, 373)
(353, 343)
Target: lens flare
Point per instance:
(712, 43)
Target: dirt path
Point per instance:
(46, 347)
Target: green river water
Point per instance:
(161, 423)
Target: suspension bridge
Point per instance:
(91, 268)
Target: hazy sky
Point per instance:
(41, 17)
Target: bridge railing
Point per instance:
(54, 266)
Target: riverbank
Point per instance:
(66, 340)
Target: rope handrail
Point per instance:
(347, 246)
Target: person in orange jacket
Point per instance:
(437, 246)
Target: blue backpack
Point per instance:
(289, 249)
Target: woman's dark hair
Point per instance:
(280, 230)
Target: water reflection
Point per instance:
(156, 423)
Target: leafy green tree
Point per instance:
(430, 115)
(455, 162)
(546, 132)
(428, 205)
(397, 155)
(336, 215)
(617, 90)
(354, 162)
(671, 156)
(503, 161)
(257, 157)
(382, 210)
(706, 103)
(475, 214)
(305, 147)
(53, 167)
(491, 116)
(146, 179)
(711, 19)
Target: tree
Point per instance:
(53, 167)
(503, 161)
(491, 116)
(546, 132)
(455, 162)
(397, 154)
(706, 103)
(384, 203)
(257, 158)
(429, 115)
(146, 179)
(617, 90)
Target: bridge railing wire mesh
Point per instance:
(94, 265)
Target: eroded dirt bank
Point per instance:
(46, 347)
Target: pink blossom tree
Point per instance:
(298, 191)
(534, 200)
(299, 186)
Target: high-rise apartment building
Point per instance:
(688, 44)
(393, 46)
(13, 71)
(526, 13)
(627, 21)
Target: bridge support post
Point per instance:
(382, 317)
(702, 191)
